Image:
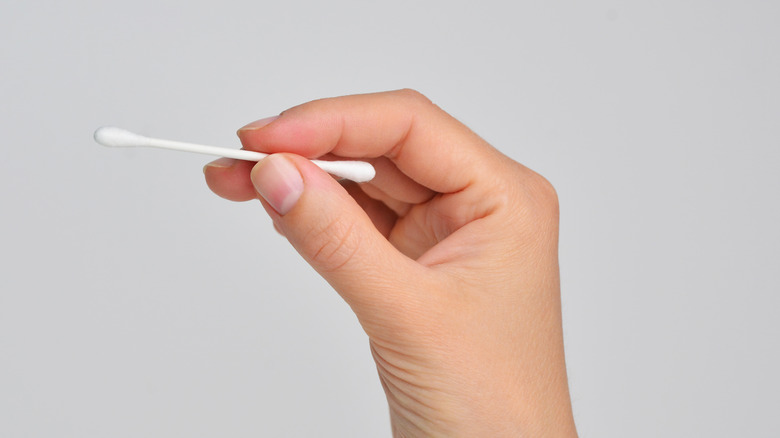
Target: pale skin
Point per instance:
(449, 258)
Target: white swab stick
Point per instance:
(358, 171)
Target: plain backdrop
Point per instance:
(134, 302)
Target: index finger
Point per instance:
(425, 143)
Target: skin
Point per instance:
(449, 257)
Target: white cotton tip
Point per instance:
(117, 137)
(358, 171)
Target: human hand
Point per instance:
(448, 257)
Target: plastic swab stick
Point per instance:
(358, 171)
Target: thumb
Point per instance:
(330, 230)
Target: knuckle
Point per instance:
(414, 96)
(542, 201)
(543, 193)
(536, 199)
(332, 246)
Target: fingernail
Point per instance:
(278, 181)
(258, 124)
(222, 163)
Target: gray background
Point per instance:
(134, 302)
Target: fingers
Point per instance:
(423, 157)
(426, 144)
(418, 149)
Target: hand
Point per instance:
(448, 257)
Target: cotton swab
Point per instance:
(358, 171)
